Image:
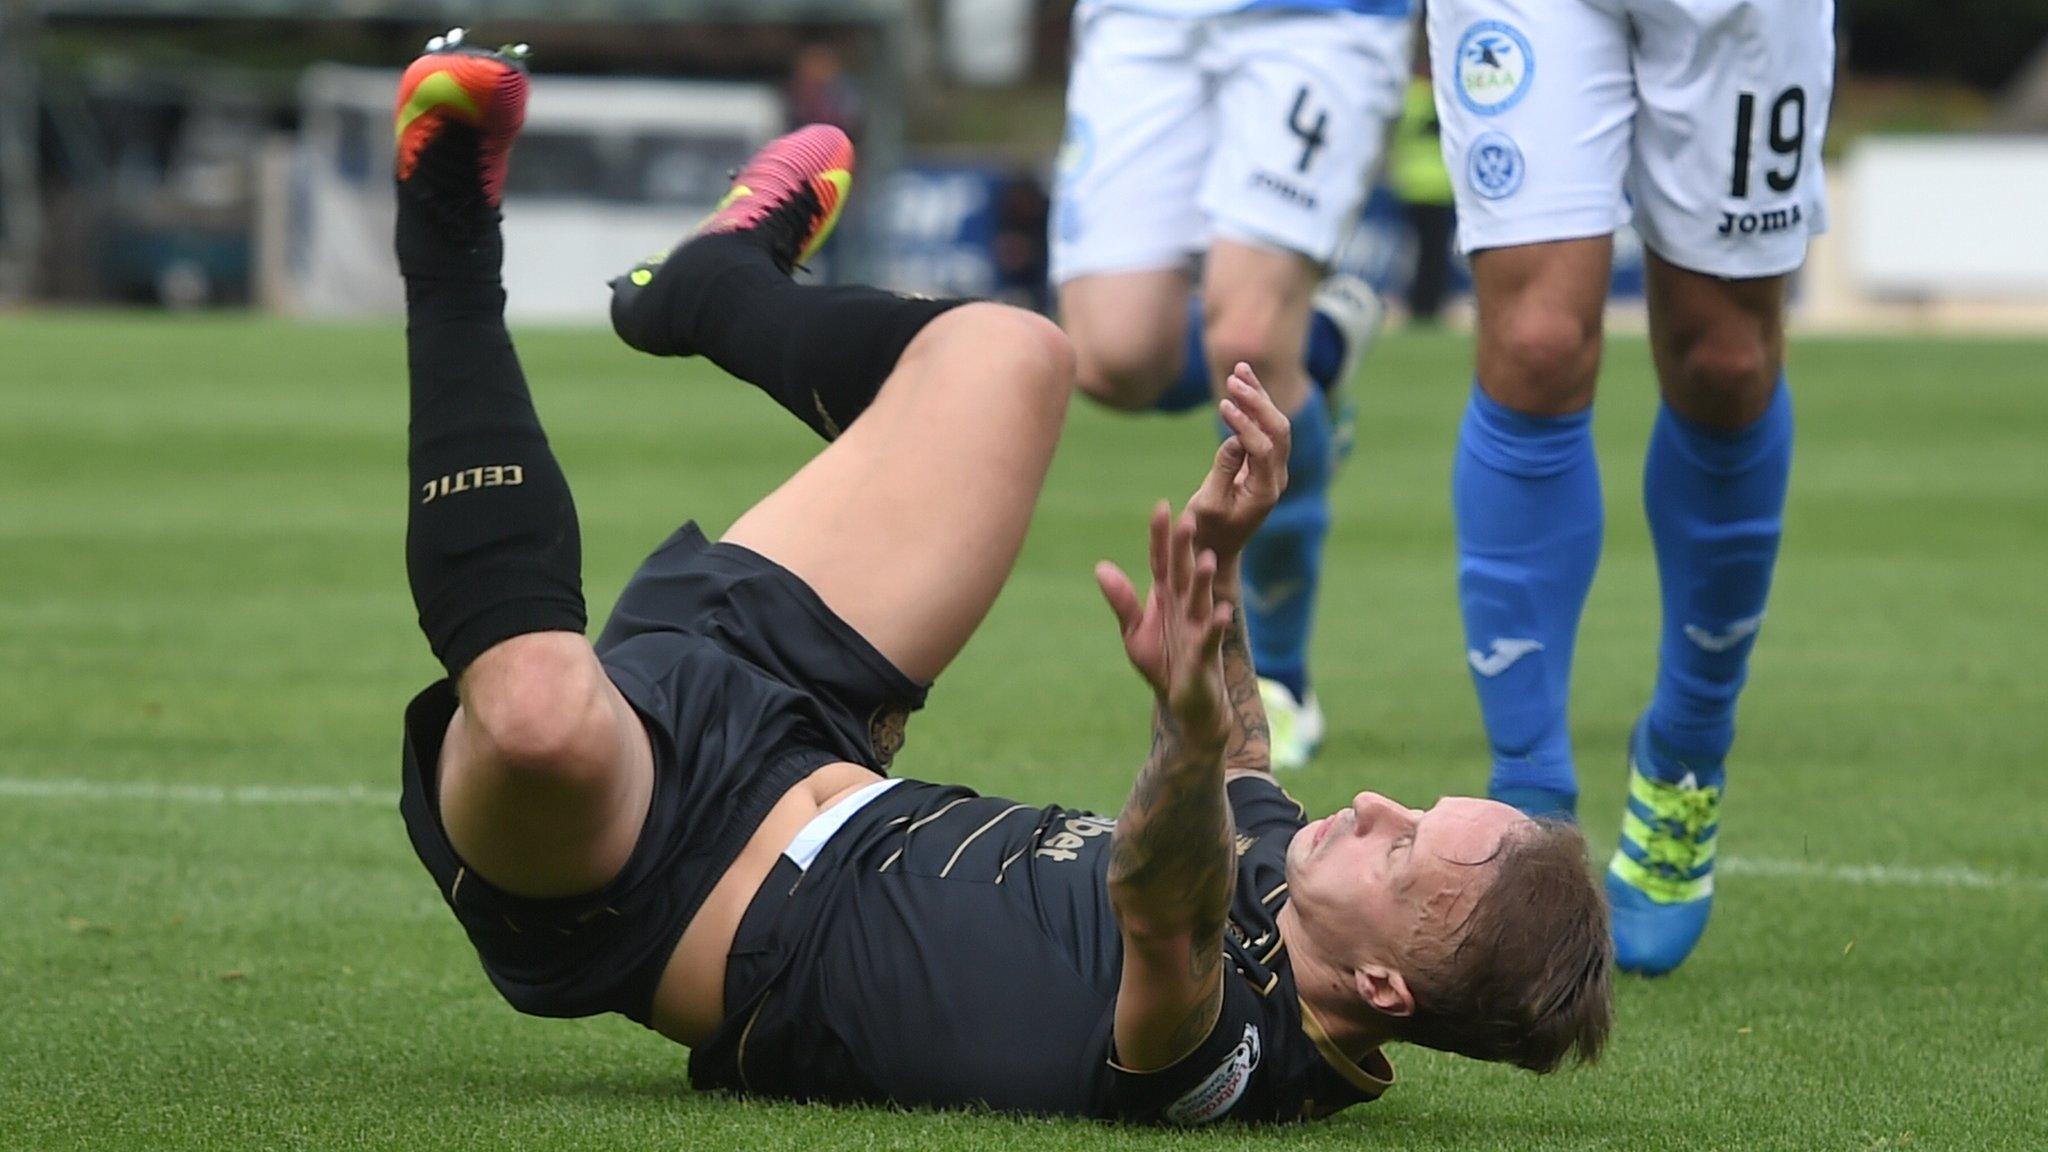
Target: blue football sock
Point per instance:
(1322, 355)
(1527, 494)
(1716, 503)
(1284, 562)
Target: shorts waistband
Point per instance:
(810, 839)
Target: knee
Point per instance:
(1725, 371)
(1264, 329)
(1249, 343)
(1020, 353)
(1046, 352)
(1127, 369)
(1025, 348)
(538, 704)
(1541, 359)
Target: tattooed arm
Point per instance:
(1250, 746)
(1171, 875)
(1249, 475)
(1172, 857)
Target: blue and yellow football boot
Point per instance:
(1660, 883)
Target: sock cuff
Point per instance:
(1520, 444)
(1725, 450)
(478, 634)
(1309, 461)
(1323, 356)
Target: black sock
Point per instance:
(821, 352)
(447, 230)
(492, 547)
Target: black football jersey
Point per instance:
(948, 948)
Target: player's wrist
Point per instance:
(1196, 727)
(1229, 583)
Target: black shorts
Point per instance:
(746, 683)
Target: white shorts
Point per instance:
(1708, 115)
(1263, 127)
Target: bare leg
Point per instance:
(1719, 344)
(909, 523)
(546, 772)
(1130, 334)
(1540, 309)
(1255, 306)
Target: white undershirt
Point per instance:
(810, 839)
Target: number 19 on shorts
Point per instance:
(1785, 134)
(1785, 141)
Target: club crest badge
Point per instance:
(886, 731)
(1077, 148)
(1077, 155)
(1494, 167)
(1494, 69)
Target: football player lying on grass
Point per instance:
(689, 823)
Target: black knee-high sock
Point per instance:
(492, 547)
(822, 352)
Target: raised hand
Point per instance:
(1174, 637)
(1250, 471)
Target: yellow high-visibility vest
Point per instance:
(1418, 173)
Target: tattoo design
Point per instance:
(1251, 743)
(1172, 859)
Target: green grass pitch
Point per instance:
(203, 608)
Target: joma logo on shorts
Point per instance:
(471, 479)
(1751, 223)
(1292, 193)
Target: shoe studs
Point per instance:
(454, 38)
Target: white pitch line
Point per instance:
(1882, 875)
(1942, 876)
(94, 790)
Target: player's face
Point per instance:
(1392, 883)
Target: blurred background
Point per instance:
(178, 154)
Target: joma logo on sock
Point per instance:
(471, 479)
(1736, 632)
(1506, 650)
